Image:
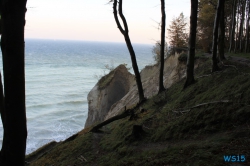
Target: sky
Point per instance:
(93, 20)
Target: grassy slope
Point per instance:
(200, 136)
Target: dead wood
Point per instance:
(184, 110)
(124, 114)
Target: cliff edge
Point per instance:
(122, 91)
(174, 70)
(109, 89)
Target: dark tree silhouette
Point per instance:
(129, 45)
(222, 35)
(163, 24)
(192, 41)
(247, 28)
(232, 30)
(242, 22)
(236, 27)
(1, 102)
(13, 113)
(215, 35)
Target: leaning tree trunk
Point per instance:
(130, 47)
(192, 41)
(222, 35)
(12, 45)
(215, 35)
(163, 24)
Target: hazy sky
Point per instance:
(93, 20)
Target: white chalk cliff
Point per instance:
(121, 89)
(109, 89)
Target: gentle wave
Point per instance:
(68, 103)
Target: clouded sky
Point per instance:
(93, 20)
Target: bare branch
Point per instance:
(183, 110)
(109, 2)
(122, 17)
(124, 114)
(116, 17)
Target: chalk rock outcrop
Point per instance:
(109, 89)
(174, 71)
(108, 100)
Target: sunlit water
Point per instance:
(59, 76)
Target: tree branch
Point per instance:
(124, 114)
(181, 110)
(116, 17)
(122, 17)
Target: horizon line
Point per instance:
(80, 40)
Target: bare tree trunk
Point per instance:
(232, 32)
(192, 41)
(222, 35)
(130, 47)
(163, 24)
(2, 102)
(215, 35)
(237, 27)
(247, 29)
(241, 38)
(0, 25)
(12, 45)
(2, 112)
(1, 3)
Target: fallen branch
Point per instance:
(146, 127)
(217, 72)
(124, 114)
(204, 76)
(181, 110)
(82, 159)
(230, 66)
(235, 68)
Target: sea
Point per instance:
(59, 74)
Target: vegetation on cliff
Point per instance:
(195, 126)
